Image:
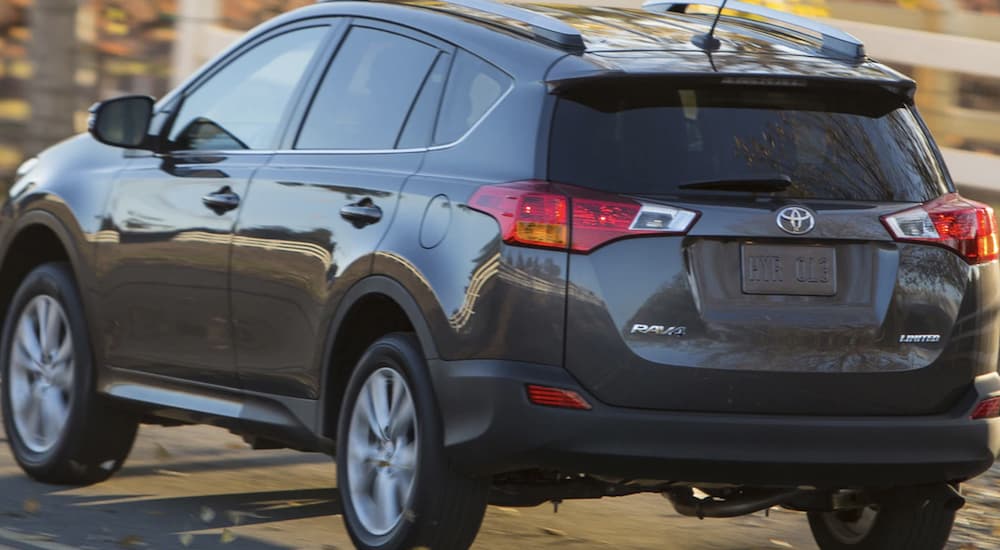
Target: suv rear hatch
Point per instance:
(824, 264)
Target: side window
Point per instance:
(420, 123)
(473, 88)
(368, 91)
(241, 106)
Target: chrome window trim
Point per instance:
(495, 106)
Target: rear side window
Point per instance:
(367, 92)
(474, 86)
(847, 145)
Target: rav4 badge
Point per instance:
(658, 329)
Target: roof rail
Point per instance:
(834, 40)
(543, 27)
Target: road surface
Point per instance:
(200, 487)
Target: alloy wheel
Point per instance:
(382, 451)
(41, 373)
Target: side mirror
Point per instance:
(122, 121)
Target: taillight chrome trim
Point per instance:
(505, 203)
(935, 224)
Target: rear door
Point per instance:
(315, 213)
(789, 294)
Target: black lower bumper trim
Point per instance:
(491, 428)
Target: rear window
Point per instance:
(647, 139)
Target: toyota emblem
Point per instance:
(796, 220)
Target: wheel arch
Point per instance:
(37, 237)
(353, 330)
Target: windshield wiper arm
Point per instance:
(751, 185)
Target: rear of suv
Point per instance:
(493, 254)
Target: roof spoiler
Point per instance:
(903, 87)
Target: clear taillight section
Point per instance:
(965, 226)
(540, 213)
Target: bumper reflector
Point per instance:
(555, 397)
(987, 408)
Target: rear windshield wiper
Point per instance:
(749, 185)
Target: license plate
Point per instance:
(788, 269)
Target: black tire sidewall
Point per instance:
(400, 353)
(907, 520)
(56, 281)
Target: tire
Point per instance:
(907, 519)
(59, 430)
(432, 505)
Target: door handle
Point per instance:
(361, 213)
(222, 200)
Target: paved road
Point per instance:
(201, 487)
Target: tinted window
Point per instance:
(473, 88)
(834, 145)
(241, 106)
(420, 124)
(367, 92)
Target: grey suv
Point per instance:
(483, 253)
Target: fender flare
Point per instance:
(51, 222)
(374, 284)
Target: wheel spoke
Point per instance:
(402, 417)
(380, 401)
(28, 339)
(369, 413)
(405, 457)
(24, 401)
(65, 351)
(53, 323)
(20, 359)
(53, 415)
(385, 498)
(41, 324)
(61, 376)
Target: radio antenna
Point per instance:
(708, 41)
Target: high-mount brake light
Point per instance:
(540, 213)
(965, 226)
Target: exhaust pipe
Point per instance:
(687, 504)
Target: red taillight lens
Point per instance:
(540, 213)
(965, 226)
(556, 397)
(987, 408)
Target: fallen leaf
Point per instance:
(32, 506)
(172, 473)
(227, 536)
(186, 539)
(236, 517)
(207, 514)
(131, 541)
(161, 452)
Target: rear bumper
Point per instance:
(490, 427)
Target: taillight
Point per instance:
(540, 213)
(965, 226)
(987, 408)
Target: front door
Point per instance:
(164, 252)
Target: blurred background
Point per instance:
(59, 56)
